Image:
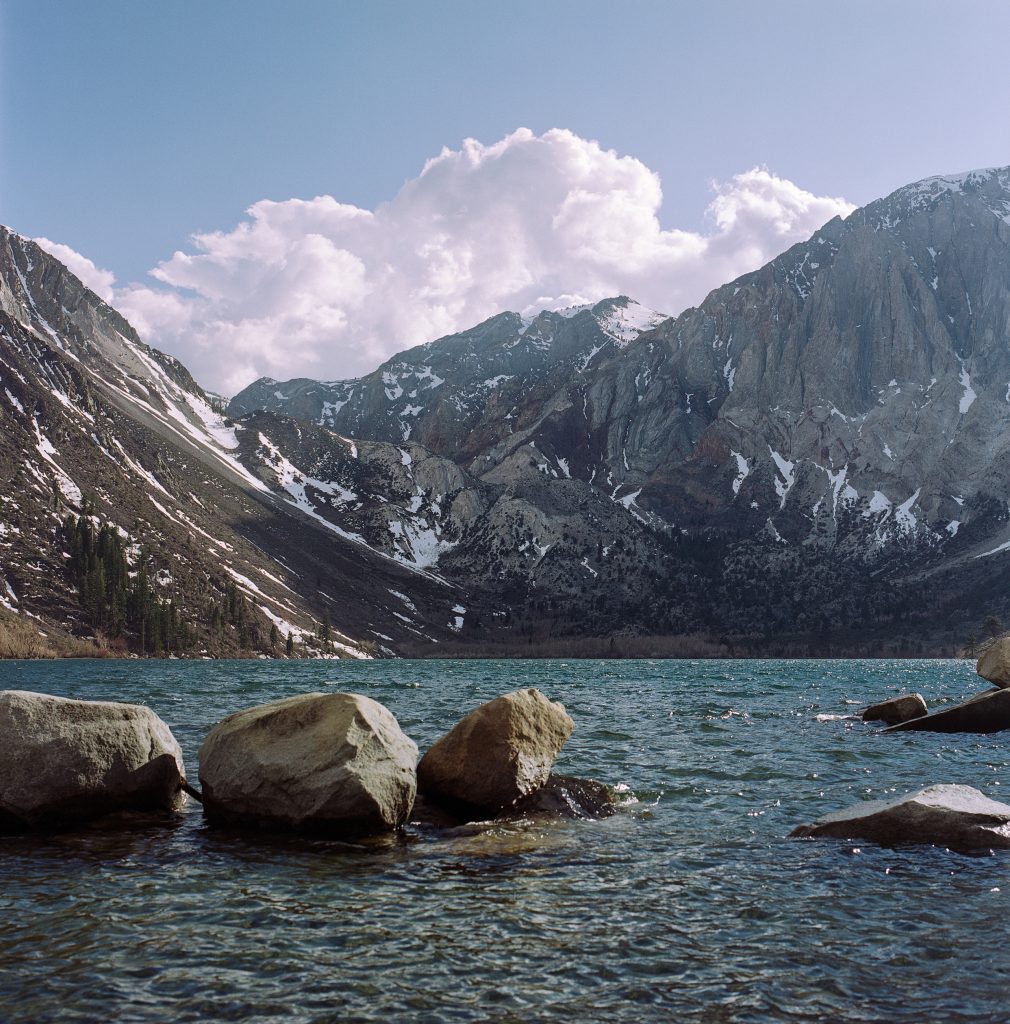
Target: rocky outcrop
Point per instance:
(498, 754)
(63, 761)
(994, 665)
(897, 709)
(988, 712)
(958, 817)
(324, 762)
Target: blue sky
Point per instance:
(130, 126)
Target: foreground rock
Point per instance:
(897, 709)
(958, 817)
(988, 712)
(994, 665)
(63, 762)
(324, 762)
(496, 755)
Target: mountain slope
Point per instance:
(88, 409)
(820, 447)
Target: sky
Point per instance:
(303, 189)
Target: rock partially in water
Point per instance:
(564, 796)
(958, 817)
(335, 763)
(496, 755)
(988, 712)
(897, 709)
(994, 665)
(63, 762)
(561, 797)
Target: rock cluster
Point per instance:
(333, 763)
(67, 761)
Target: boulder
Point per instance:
(988, 712)
(994, 665)
(957, 817)
(63, 762)
(497, 754)
(896, 709)
(336, 763)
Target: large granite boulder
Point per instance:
(896, 709)
(497, 754)
(994, 665)
(988, 712)
(958, 817)
(323, 762)
(64, 761)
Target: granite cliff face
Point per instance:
(818, 450)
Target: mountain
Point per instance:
(101, 429)
(817, 454)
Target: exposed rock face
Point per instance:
(327, 762)
(897, 709)
(994, 665)
(959, 817)
(499, 753)
(988, 712)
(67, 761)
(807, 449)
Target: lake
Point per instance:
(691, 904)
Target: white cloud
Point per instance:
(98, 280)
(319, 288)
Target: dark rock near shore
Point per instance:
(988, 712)
(564, 796)
(334, 763)
(958, 817)
(897, 709)
(64, 762)
(498, 754)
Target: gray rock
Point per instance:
(63, 761)
(958, 817)
(325, 762)
(994, 665)
(897, 709)
(499, 753)
(988, 712)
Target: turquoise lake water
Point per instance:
(690, 905)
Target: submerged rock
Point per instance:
(988, 712)
(561, 797)
(63, 762)
(327, 762)
(958, 817)
(994, 665)
(564, 796)
(497, 754)
(897, 709)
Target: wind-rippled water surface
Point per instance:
(690, 905)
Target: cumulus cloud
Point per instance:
(320, 288)
(98, 280)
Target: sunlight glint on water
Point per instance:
(690, 905)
